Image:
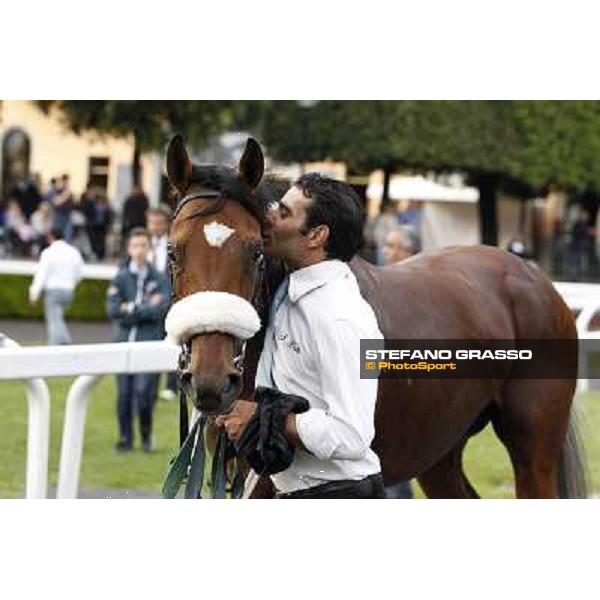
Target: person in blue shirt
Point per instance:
(137, 302)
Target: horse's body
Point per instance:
(422, 425)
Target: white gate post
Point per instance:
(73, 432)
(38, 432)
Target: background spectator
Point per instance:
(42, 221)
(63, 205)
(134, 211)
(99, 218)
(137, 302)
(19, 232)
(398, 246)
(158, 227)
(57, 274)
(384, 223)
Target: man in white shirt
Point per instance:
(158, 228)
(57, 274)
(312, 345)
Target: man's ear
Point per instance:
(252, 164)
(179, 166)
(318, 236)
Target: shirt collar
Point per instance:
(315, 276)
(133, 268)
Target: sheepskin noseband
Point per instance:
(205, 312)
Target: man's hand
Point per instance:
(235, 421)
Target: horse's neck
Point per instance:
(274, 274)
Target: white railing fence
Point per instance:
(90, 362)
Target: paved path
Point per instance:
(30, 331)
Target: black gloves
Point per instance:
(263, 443)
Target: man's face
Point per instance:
(157, 225)
(138, 248)
(394, 249)
(282, 236)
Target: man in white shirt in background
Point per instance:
(158, 228)
(58, 272)
(312, 345)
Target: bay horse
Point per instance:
(223, 285)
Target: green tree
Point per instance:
(520, 145)
(148, 122)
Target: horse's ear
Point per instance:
(252, 163)
(179, 166)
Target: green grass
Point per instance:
(486, 461)
(102, 467)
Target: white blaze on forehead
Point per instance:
(217, 234)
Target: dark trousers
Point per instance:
(172, 383)
(136, 394)
(369, 487)
(402, 490)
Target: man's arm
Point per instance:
(291, 433)
(156, 307)
(345, 430)
(78, 268)
(236, 420)
(117, 305)
(39, 279)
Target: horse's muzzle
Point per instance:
(212, 394)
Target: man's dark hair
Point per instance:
(159, 211)
(338, 206)
(56, 233)
(138, 232)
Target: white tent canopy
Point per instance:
(419, 188)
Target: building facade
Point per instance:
(39, 145)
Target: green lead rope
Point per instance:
(189, 466)
(195, 479)
(219, 467)
(179, 466)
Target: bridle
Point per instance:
(185, 354)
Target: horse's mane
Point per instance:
(228, 182)
(271, 189)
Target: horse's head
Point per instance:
(216, 256)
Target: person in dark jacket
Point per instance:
(134, 211)
(138, 299)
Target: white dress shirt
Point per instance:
(159, 253)
(60, 268)
(312, 349)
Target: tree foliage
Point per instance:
(149, 121)
(534, 142)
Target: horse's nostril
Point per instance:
(231, 386)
